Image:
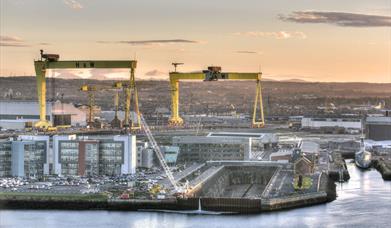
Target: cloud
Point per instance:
(247, 52)
(151, 42)
(277, 35)
(12, 41)
(5, 44)
(73, 4)
(338, 18)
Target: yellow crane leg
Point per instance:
(40, 71)
(91, 103)
(127, 107)
(258, 123)
(175, 120)
(135, 126)
(116, 103)
(132, 96)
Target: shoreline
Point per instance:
(326, 194)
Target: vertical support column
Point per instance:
(90, 108)
(132, 96)
(258, 123)
(116, 103)
(175, 120)
(135, 98)
(127, 107)
(40, 71)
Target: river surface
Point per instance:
(364, 201)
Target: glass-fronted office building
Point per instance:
(94, 155)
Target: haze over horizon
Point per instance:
(340, 41)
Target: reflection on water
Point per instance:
(364, 201)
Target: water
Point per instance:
(365, 201)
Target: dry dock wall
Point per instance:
(236, 182)
(384, 167)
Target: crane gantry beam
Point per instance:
(51, 61)
(213, 74)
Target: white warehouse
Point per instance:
(316, 123)
(15, 114)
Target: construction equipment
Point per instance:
(159, 155)
(91, 103)
(176, 65)
(91, 90)
(131, 96)
(51, 61)
(116, 122)
(213, 74)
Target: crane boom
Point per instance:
(158, 152)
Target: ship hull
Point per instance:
(363, 159)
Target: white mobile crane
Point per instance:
(159, 154)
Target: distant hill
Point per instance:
(294, 80)
(280, 97)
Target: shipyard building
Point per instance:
(223, 146)
(94, 155)
(378, 128)
(145, 155)
(28, 156)
(17, 115)
(68, 155)
(348, 124)
(170, 154)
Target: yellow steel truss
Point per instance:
(50, 61)
(175, 77)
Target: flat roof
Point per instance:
(309, 146)
(332, 119)
(262, 137)
(238, 134)
(282, 153)
(379, 119)
(20, 108)
(208, 140)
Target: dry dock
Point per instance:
(239, 187)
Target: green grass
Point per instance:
(51, 196)
(307, 183)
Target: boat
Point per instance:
(363, 158)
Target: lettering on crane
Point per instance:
(85, 64)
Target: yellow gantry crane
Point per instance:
(214, 73)
(51, 61)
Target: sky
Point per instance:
(323, 40)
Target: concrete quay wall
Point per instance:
(384, 167)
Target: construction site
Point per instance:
(115, 157)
